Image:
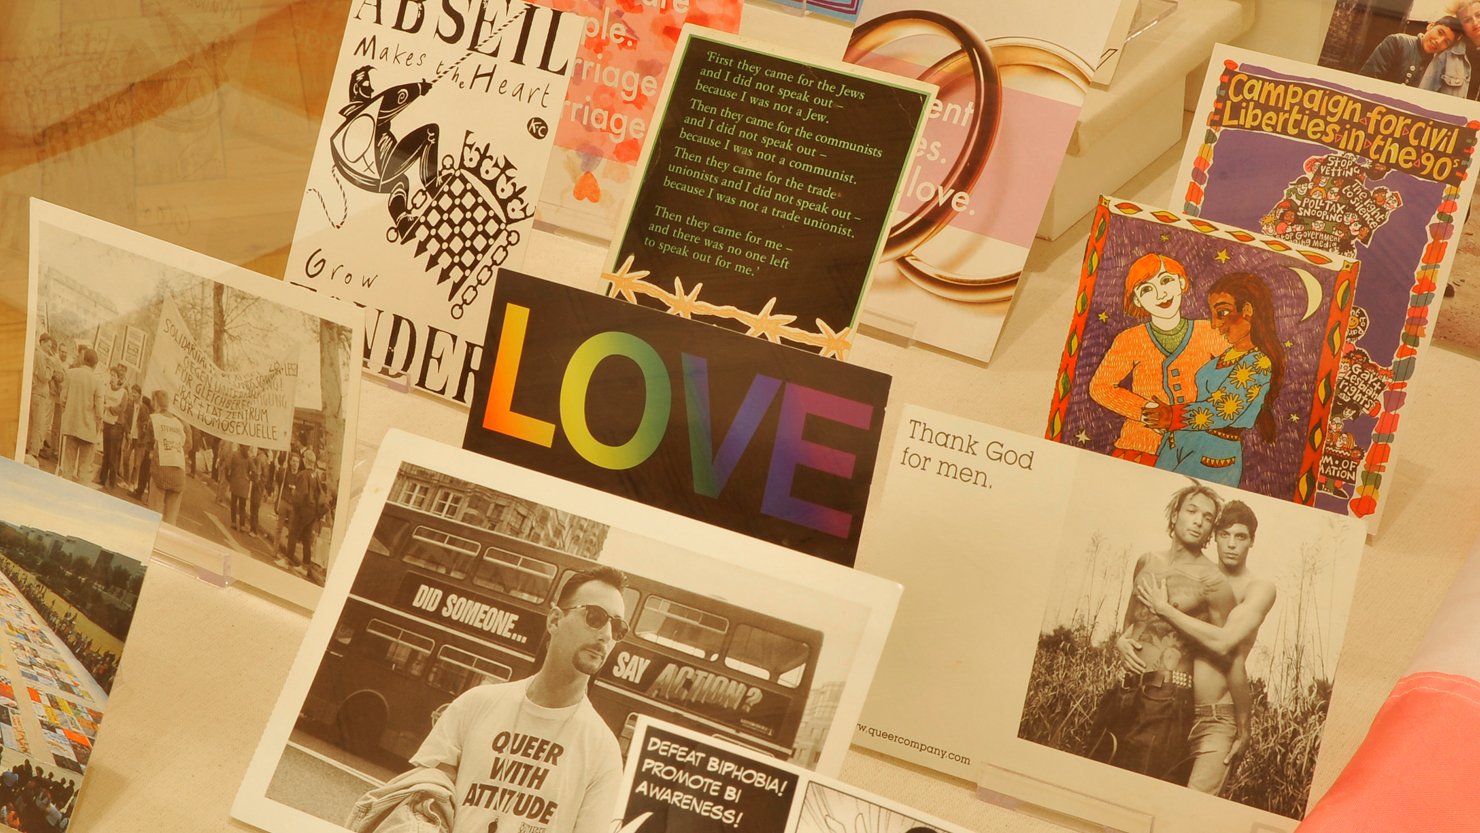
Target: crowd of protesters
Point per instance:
(102, 665)
(33, 801)
(109, 433)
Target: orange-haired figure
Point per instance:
(1161, 357)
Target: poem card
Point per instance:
(766, 193)
(466, 580)
(1046, 566)
(767, 441)
(1203, 349)
(426, 173)
(181, 383)
(1012, 80)
(608, 115)
(1364, 168)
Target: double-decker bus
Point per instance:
(439, 606)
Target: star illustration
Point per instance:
(834, 344)
(683, 303)
(1103, 316)
(1082, 437)
(1165, 237)
(625, 282)
(1294, 417)
(768, 324)
(1289, 344)
(1221, 257)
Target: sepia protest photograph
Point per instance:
(493, 634)
(1190, 635)
(72, 563)
(217, 397)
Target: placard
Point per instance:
(1366, 169)
(765, 194)
(767, 441)
(1055, 558)
(683, 782)
(426, 172)
(493, 633)
(250, 453)
(1204, 349)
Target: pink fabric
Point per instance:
(1419, 767)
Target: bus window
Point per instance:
(456, 670)
(515, 575)
(682, 628)
(770, 656)
(401, 649)
(441, 552)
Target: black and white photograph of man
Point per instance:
(1197, 619)
(532, 753)
(480, 664)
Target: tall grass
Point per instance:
(1070, 674)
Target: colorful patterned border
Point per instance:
(1327, 363)
(1420, 299)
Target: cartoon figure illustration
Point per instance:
(1359, 388)
(1331, 206)
(462, 214)
(1161, 356)
(1206, 436)
(367, 153)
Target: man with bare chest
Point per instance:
(1143, 724)
(1222, 704)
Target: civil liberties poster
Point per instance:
(426, 172)
(1012, 80)
(224, 400)
(1364, 168)
(766, 192)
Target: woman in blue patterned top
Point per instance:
(1205, 438)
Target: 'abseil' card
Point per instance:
(426, 173)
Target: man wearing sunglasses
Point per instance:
(532, 755)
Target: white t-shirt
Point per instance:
(169, 439)
(531, 769)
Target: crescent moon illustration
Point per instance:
(1312, 291)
